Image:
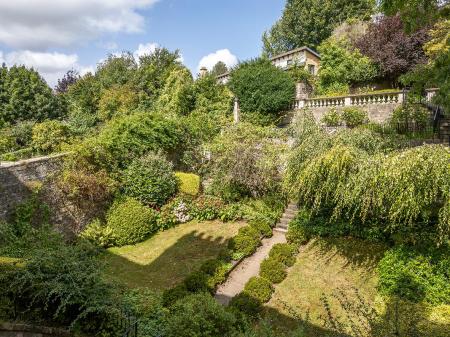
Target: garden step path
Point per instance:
(249, 267)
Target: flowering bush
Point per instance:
(206, 208)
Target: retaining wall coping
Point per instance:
(20, 327)
(32, 160)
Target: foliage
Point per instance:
(130, 222)
(117, 69)
(83, 98)
(297, 235)
(24, 95)
(415, 14)
(245, 158)
(284, 253)
(219, 69)
(262, 227)
(126, 138)
(416, 275)
(98, 234)
(259, 288)
(391, 49)
(70, 78)
(206, 208)
(262, 88)
(189, 183)
(410, 113)
(216, 270)
(117, 100)
(342, 65)
(309, 22)
(43, 289)
(176, 96)
(273, 270)
(246, 304)
(197, 282)
(245, 242)
(231, 212)
(332, 118)
(172, 295)
(439, 41)
(150, 179)
(200, 315)
(354, 117)
(174, 212)
(49, 135)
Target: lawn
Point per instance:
(331, 291)
(167, 258)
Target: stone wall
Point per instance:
(25, 330)
(376, 112)
(19, 179)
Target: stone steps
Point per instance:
(289, 214)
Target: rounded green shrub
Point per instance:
(245, 242)
(197, 282)
(273, 270)
(200, 315)
(262, 227)
(150, 179)
(332, 118)
(297, 235)
(284, 253)
(98, 234)
(189, 183)
(353, 117)
(49, 135)
(131, 222)
(216, 271)
(259, 288)
(170, 296)
(247, 304)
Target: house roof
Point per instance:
(276, 57)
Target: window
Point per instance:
(311, 69)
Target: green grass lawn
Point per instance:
(331, 291)
(168, 257)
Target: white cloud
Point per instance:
(42, 24)
(145, 49)
(223, 55)
(51, 66)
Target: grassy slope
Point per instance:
(331, 291)
(168, 257)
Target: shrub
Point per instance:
(262, 87)
(332, 118)
(150, 180)
(131, 222)
(200, 315)
(273, 270)
(98, 234)
(245, 242)
(170, 296)
(231, 212)
(247, 304)
(284, 253)
(409, 114)
(297, 235)
(216, 271)
(415, 275)
(262, 227)
(49, 135)
(353, 117)
(206, 208)
(174, 212)
(259, 288)
(197, 282)
(189, 183)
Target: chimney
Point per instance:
(203, 71)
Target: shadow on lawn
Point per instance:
(170, 267)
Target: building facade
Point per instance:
(303, 56)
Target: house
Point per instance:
(303, 56)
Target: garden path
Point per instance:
(249, 267)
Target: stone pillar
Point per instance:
(236, 110)
(203, 71)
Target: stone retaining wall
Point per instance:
(25, 330)
(18, 179)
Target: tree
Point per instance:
(219, 69)
(391, 48)
(25, 96)
(262, 88)
(176, 96)
(309, 22)
(154, 68)
(70, 78)
(343, 66)
(116, 70)
(415, 14)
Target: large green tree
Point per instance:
(262, 89)
(24, 95)
(309, 22)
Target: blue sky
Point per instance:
(56, 35)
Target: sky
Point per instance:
(54, 36)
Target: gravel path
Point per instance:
(248, 268)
